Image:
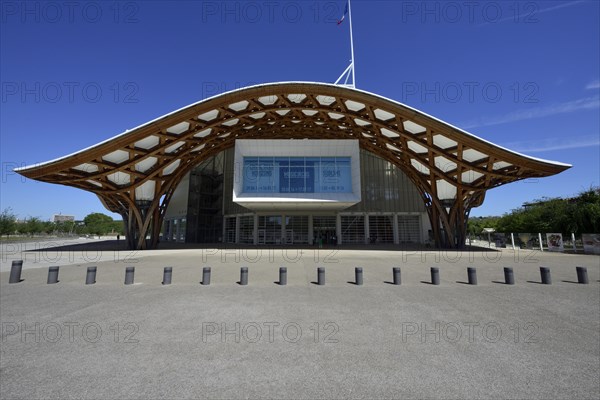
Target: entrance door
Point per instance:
(296, 229)
(324, 228)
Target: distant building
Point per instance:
(63, 218)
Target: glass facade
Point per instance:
(324, 229)
(409, 229)
(297, 175)
(230, 225)
(269, 229)
(247, 229)
(296, 229)
(205, 202)
(385, 188)
(391, 209)
(175, 230)
(353, 229)
(381, 229)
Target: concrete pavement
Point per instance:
(340, 340)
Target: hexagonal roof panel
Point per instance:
(136, 158)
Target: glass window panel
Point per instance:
(282, 175)
(381, 229)
(265, 179)
(342, 162)
(251, 174)
(296, 229)
(247, 229)
(269, 229)
(297, 175)
(182, 226)
(230, 230)
(409, 229)
(329, 175)
(353, 229)
(324, 230)
(265, 162)
(309, 177)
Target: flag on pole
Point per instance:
(343, 16)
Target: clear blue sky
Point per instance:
(524, 75)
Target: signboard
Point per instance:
(555, 242)
(297, 175)
(591, 243)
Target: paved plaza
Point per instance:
(302, 340)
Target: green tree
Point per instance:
(475, 225)
(578, 215)
(513, 222)
(584, 212)
(65, 226)
(98, 223)
(117, 227)
(49, 227)
(8, 222)
(31, 226)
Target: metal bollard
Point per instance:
(358, 275)
(90, 277)
(53, 275)
(545, 273)
(582, 276)
(244, 276)
(396, 273)
(129, 272)
(206, 276)
(167, 275)
(15, 271)
(321, 276)
(472, 275)
(509, 276)
(283, 276)
(435, 276)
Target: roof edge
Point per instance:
(274, 84)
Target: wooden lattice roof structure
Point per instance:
(135, 173)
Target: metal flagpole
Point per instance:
(351, 44)
(350, 70)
